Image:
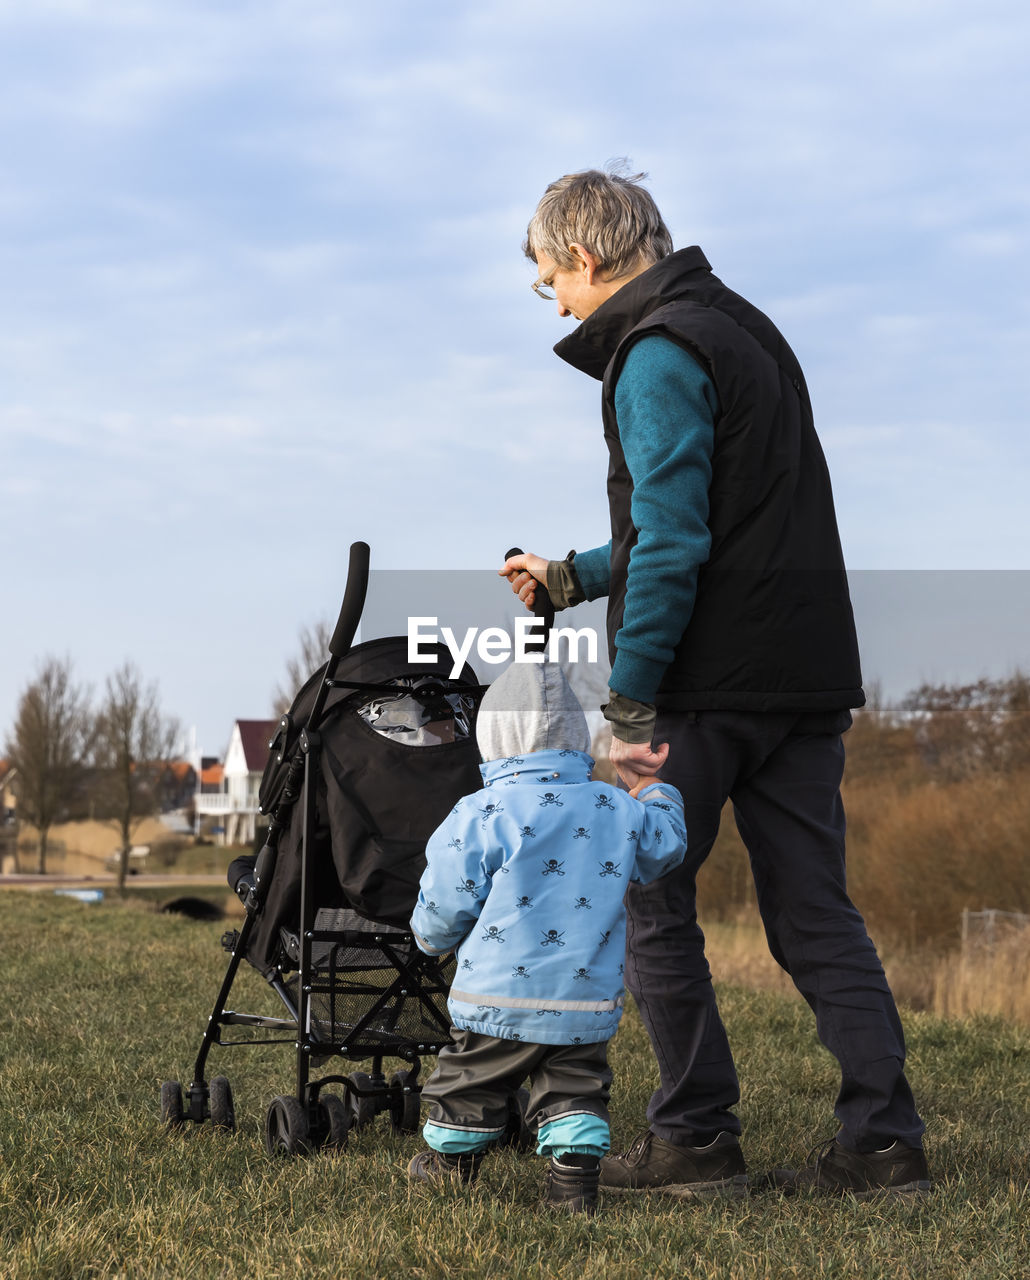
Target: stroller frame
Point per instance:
(309, 1118)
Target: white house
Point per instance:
(236, 805)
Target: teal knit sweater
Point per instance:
(666, 406)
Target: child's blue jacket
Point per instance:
(526, 879)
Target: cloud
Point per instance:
(264, 292)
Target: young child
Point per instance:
(525, 879)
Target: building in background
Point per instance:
(8, 819)
(232, 808)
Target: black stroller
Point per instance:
(373, 753)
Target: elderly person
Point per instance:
(734, 669)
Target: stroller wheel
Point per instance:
(172, 1113)
(335, 1115)
(405, 1114)
(223, 1113)
(363, 1110)
(287, 1132)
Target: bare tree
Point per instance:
(314, 649)
(48, 748)
(965, 730)
(135, 743)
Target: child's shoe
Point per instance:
(437, 1168)
(572, 1183)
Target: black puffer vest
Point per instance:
(772, 627)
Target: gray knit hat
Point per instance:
(530, 707)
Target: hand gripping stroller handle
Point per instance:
(543, 608)
(353, 600)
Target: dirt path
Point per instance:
(142, 881)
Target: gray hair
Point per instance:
(606, 212)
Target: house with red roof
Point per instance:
(212, 775)
(235, 804)
(178, 784)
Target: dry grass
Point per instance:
(82, 848)
(918, 857)
(919, 854)
(921, 850)
(995, 982)
(109, 1002)
(983, 983)
(738, 956)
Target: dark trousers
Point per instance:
(476, 1075)
(783, 774)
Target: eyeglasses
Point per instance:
(544, 289)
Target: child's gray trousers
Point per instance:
(477, 1076)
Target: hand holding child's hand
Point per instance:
(635, 763)
(644, 782)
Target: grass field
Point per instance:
(104, 1002)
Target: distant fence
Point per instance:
(986, 930)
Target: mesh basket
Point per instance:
(371, 987)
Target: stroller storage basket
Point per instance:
(372, 990)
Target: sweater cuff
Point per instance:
(636, 676)
(631, 721)
(562, 583)
(594, 570)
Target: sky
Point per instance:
(263, 295)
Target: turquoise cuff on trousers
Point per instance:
(583, 1134)
(455, 1142)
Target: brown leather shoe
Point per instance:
(899, 1170)
(689, 1173)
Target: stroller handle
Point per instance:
(353, 600)
(339, 647)
(543, 608)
